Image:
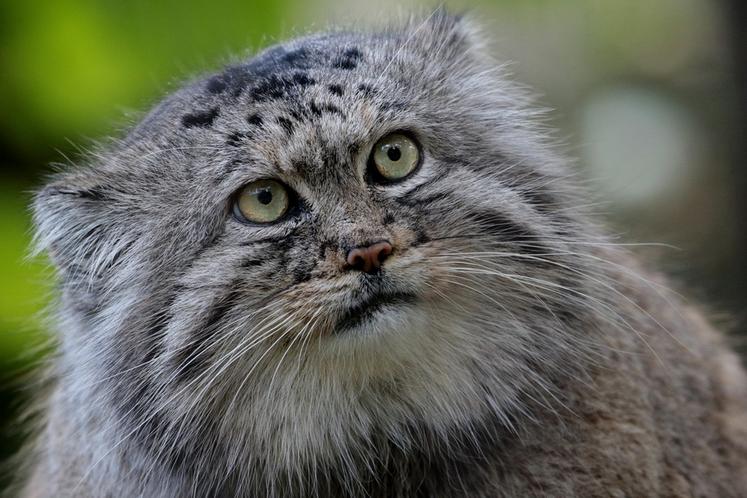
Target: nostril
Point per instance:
(383, 249)
(357, 261)
(369, 258)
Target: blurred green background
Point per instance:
(650, 96)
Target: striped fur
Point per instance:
(525, 356)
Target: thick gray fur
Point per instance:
(199, 355)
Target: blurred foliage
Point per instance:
(23, 292)
(69, 66)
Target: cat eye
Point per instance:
(395, 156)
(262, 201)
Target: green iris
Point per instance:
(395, 156)
(263, 201)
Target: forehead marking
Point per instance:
(276, 60)
(335, 90)
(318, 109)
(234, 78)
(201, 119)
(236, 138)
(254, 120)
(348, 60)
(275, 87)
(367, 90)
(287, 125)
(303, 79)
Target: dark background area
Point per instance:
(651, 97)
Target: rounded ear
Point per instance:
(453, 38)
(80, 223)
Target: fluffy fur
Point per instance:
(199, 355)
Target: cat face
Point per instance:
(346, 234)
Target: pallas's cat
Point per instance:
(356, 265)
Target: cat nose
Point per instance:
(369, 258)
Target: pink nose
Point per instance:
(369, 258)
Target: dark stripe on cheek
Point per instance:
(508, 230)
(191, 358)
(267, 240)
(156, 331)
(301, 274)
(539, 198)
(251, 262)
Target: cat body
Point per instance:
(459, 327)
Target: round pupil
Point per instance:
(393, 153)
(264, 196)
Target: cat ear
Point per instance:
(80, 224)
(454, 38)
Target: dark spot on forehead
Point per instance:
(318, 109)
(366, 89)
(314, 108)
(201, 119)
(254, 120)
(348, 60)
(346, 64)
(297, 114)
(216, 84)
(267, 62)
(335, 89)
(298, 58)
(232, 166)
(331, 108)
(271, 88)
(303, 79)
(274, 86)
(236, 138)
(234, 78)
(275, 60)
(391, 106)
(287, 125)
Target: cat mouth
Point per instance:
(366, 309)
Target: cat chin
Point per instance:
(391, 317)
(396, 322)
